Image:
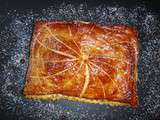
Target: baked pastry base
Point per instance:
(59, 96)
(33, 93)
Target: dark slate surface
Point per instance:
(15, 37)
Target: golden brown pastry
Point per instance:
(84, 62)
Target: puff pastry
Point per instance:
(83, 61)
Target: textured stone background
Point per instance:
(15, 37)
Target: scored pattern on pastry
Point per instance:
(83, 60)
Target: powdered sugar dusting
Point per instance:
(15, 41)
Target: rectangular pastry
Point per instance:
(84, 62)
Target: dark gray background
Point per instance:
(16, 21)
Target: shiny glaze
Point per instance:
(83, 60)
